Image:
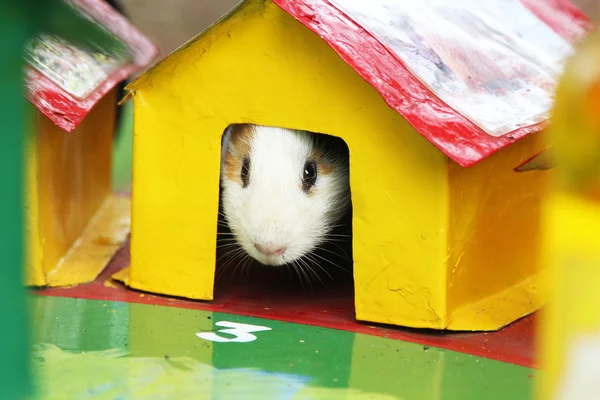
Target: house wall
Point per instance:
(494, 238)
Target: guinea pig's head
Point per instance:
(282, 190)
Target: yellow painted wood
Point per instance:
(421, 231)
(74, 224)
(102, 238)
(121, 276)
(493, 267)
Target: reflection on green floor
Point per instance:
(112, 350)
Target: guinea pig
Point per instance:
(284, 194)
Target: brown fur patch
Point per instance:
(240, 138)
(324, 168)
(311, 192)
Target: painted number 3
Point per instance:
(242, 333)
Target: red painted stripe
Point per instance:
(332, 309)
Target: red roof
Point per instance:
(449, 130)
(67, 110)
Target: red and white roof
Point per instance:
(471, 76)
(65, 82)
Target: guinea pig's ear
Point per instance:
(236, 137)
(234, 130)
(239, 136)
(226, 135)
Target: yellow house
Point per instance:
(445, 229)
(74, 222)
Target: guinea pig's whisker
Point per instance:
(315, 273)
(230, 253)
(308, 280)
(239, 258)
(312, 263)
(226, 245)
(226, 240)
(304, 265)
(323, 269)
(334, 253)
(246, 267)
(295, 266)
(243, 263)
(346, 256)
(220, 247)
(237, 265)
(316, 262)
(226, 254)
(331, 227)
(228, 263)
(336, 240)
(310, 271)
(329, 261)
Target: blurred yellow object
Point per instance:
(570, 330)
(576, 122)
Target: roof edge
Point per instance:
(64, 109)
(458, 138)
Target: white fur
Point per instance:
(273, 210)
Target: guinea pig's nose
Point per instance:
(270, 249)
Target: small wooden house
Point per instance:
(438, 106)
(74, 222)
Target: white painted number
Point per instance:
(242, 332)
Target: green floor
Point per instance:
(91, 349)
(87, 349)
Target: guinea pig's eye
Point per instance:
(245, 172)
(309, 175)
